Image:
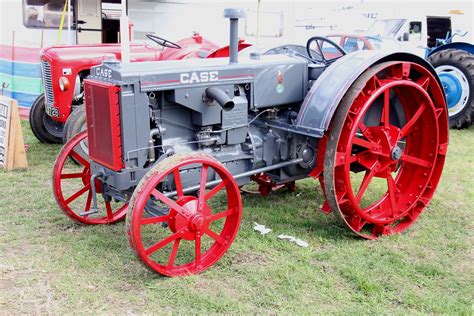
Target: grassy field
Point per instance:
(50, 265)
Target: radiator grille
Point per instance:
(47, 83)
(103, 123)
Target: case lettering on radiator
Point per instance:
(204, 76)
(102, 72)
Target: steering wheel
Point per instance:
(319, 40)
(163, 42)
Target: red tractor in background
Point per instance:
(58, 114)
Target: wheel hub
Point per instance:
(396, 153)
(452, 88)
(193, 221)
(456, 88)
(385, 153)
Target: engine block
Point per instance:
(204, 105)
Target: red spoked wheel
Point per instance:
(176, 231)
(72, 188)
(386, 149)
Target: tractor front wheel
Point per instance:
(190, 229)
(43, 126)
(386, 149)
(72, 188)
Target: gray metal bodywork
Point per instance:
(273, 113)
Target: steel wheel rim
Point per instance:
(418, 164)
(111, 215)
(450, 74)
(186, 229)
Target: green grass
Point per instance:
(50, 265)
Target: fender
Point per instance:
(224, 51)
(457, 45)
(327, 92)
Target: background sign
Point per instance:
(4, 111)
(12, 147)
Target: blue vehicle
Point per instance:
(454, 63)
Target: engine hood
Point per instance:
(97, 53)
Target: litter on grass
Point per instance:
(297, 241)
(261, 228)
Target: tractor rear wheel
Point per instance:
(42, 125)
(455, 69)
(72, 188)
(195, 229)
(386, 149)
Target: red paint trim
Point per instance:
(177, 81)
(159, 82)
(20, 54)
(236, 76)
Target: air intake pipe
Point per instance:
(234, 15)
(220, 97)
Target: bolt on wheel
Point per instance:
(386, 149)
(193, 227)
(73, 190)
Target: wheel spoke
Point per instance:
(77, 194)
(214, 236)
(409, 125)
(424, 82)
(363, 128)
(79, 158)
(108, 208)
(71, 175)
(391, 191)
(163, 198)
(216, 189)
(385, 118)
(363, 143)
(369, 174)
(163, 242)
(416, 161)
(154, 220)
(357, 157)
(174, 252)
(202, 188)
(215, 217)
(177, 183)
(197, 250)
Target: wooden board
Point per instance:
(12, 146)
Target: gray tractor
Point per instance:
(172, 142)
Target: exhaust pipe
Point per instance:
(220, 97)
(234, 15)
